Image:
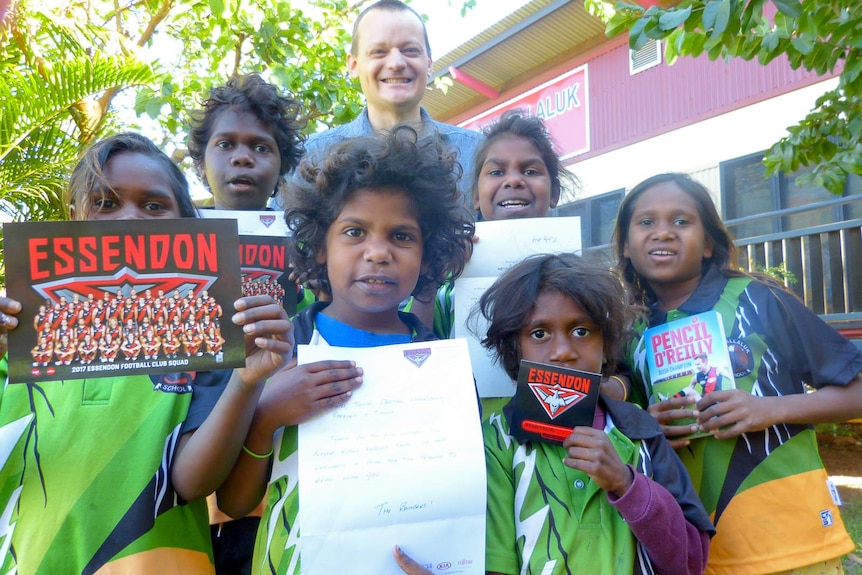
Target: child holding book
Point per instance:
(110, 474)
(614, 498)
(378, 220)
(759, 474)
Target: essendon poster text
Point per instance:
(102, 298)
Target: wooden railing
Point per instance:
(826, 262)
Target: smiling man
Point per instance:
(391, 57)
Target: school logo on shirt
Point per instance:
(417, 356)
(741, 358)
(173, 382)
(556, 400)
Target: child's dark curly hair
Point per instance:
(251, 94)
(509, 302)
(396, 162)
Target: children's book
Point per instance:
(105, 298)
(263, 255)
(688, 357)
(550, 401)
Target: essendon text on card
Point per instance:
(107, 298)
(550, 400)
(61, 256)
(263, 255)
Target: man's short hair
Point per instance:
(392, 6)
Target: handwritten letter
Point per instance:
(401, 463)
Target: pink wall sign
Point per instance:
(562, 103)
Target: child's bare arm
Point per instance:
(733, 412)
(205, 456)
(290, 397)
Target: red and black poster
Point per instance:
(263, 255)
(550, 401)
(107, 298)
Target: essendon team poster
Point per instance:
(105, 298)
(263, 255)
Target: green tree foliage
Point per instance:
(49, 87)
(63, 65)
(818, 35)
(300, 46)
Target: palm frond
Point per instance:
(33, 99)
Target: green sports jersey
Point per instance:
(85, 479)
(546, 518)
(766, 491)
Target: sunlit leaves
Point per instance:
(817, 35)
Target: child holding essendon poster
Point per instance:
(614, 498)
(109, 474)
(758, 473)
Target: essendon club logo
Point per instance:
(417, 356)
(556, 400)
(267, 219)
(123, 282)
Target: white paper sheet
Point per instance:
(252, 223)
(401, 463)
(502, 244)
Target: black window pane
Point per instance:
(793, 195)
(749, 194)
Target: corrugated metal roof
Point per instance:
(533, 39)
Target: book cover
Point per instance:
(550, 401)
(103, 298)
(263, 255)
(688, 357)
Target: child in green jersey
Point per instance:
(614, 498)
(377, 220)
(110, 474)
(759, 474)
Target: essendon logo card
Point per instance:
(550, 401)
(102, 298)
(263, 255)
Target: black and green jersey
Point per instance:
(766, 491)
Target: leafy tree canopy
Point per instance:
(823, 36)
(63, 65)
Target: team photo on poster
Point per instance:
(119, 297)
